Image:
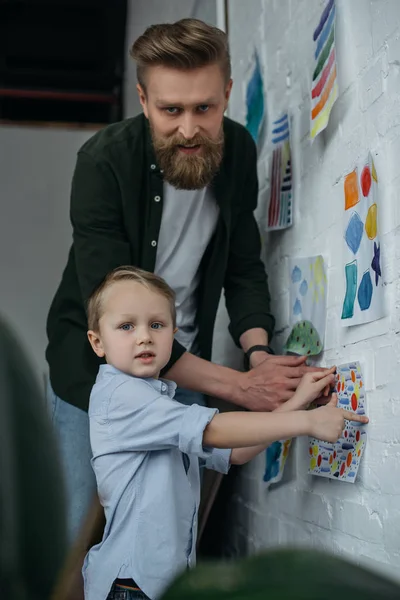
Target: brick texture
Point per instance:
(361, 521)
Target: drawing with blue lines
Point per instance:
(280, 206)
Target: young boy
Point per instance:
(146, 446)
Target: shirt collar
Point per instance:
(162, 386)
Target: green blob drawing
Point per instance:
(304, 340)
(351, 290)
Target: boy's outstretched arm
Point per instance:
(249, 433)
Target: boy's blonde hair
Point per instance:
(187, 44)
(127, 273)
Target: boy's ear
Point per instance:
(96, 343)
(175, 330)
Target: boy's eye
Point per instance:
(126, 327)
(156, 325)
(203, 108)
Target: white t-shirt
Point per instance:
(188, 222)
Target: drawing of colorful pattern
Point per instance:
(279, 215)
(325, 88)
(361, 250)
(342, 459)
(275, 459)
(255, 102)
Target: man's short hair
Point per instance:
(127, 273)
(185, 45)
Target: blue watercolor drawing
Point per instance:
(376, 263)
(303, 288)
(296, 275)
(351, 290)
(255, 102)
(354, 233)
(365, 289)
(297, 308)
(273, 453)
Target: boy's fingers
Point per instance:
(323, 382)
(350, 416)
(319, 375)
(334, 400)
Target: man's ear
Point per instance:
(228, 90)
(142, 99)
(96, 343)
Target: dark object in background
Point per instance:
(32, 511)
(283, 575)
(62, 60)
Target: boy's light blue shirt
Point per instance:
(138, 435)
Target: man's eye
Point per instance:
(156, 325)
(171, 110)
(203, 108)
(126, 327)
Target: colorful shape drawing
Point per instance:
(275, 459)
(361, 246)
(365, 290)
(303, 340)
(296, 275)
(308, 286)
(371, 222)
(255, 101)
(297, 307)
(279, 210)
(325, 88)
(351, 290)
(366, 180)
(303, 287)
(376, 263)
(354, 233)
(342, 459)
(351, 197)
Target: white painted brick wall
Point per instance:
(361, 521)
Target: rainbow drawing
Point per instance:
(325, 89)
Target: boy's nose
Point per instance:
(143, 337)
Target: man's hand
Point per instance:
(272, 382)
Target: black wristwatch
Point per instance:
(257, 348)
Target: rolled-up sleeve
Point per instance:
(140, 419)
(218, 460)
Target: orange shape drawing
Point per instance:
(371, 227)
(351, 197)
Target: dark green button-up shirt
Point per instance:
(116, 209)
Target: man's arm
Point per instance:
(264, 388)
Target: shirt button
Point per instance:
(157, 198)
(152, 167)
(154, 243)
(164, 387)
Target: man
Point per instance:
(171, 191)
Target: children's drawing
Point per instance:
(275, 458)
(280, 209)
(325, 88)
(342, 459)
(363, 298)
(307, 297)
(255, 108)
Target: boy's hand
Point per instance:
(328, 422)
(311, 386)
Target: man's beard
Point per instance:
(186, 172)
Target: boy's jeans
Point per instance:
(72, 430)
(119, 593)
